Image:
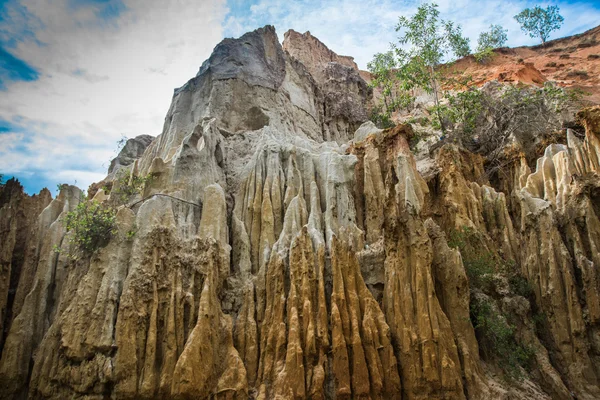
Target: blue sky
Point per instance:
(76, 75)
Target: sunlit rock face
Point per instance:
(280, 252)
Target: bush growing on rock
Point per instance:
(383, 69)
(126, 186)
(496, 334)
(91, 224)
(486, 120)
(480, 264)
(497, 338)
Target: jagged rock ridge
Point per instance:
(278, 255)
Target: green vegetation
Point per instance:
(488, 41)
(497, 339)
(382, 117)
(520, 286)
(485, 121)
(126, 186)
(539, 22)
(92, 224)
(398, 73)
(131, 233)
(462, 109)
(383, 69)
(482, 121)
(430, 41)
(480, 264)
(495, 334)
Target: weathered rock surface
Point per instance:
(313, 53)
(18, 214)
(345, 92)
(132, 150)
(280, 252)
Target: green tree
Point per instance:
(384, 69)
(487, 41)
(425, 42)
(539, 22)
(382, 73)
(92, 225)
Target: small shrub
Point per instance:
(593, 57)
(415, 139)
(497, 339)
(564, 56)
(578, 73)
(588, 42)
(480, 264)
(381, 119)
(464, 109)
(520, 286)
(130, 234)
(422, 121)
(484, 55)
(551, 64)
(92, 225)
(129, 186)
(496, 336)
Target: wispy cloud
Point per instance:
(93, 78)
(78, 74)
(360, 28)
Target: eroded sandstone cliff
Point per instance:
(274, 254)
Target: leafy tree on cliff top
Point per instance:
(539, 22)
(383, 68)
(487, 41)
(426, 41)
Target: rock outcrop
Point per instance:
(274, 250)
(570, 61)
(132, 150)
(346, 94)
(313, 53)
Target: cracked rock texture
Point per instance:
(280, 252)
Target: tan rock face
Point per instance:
(269, 258)
(345, 92)
(313, 53)
(17, 218)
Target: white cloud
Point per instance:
(361, 28)
(99, 78)
(103, 78)
(355, 28)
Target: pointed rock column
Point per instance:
(209, 365)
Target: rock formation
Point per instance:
(132, 150)
(278, 249)
(571, 61)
